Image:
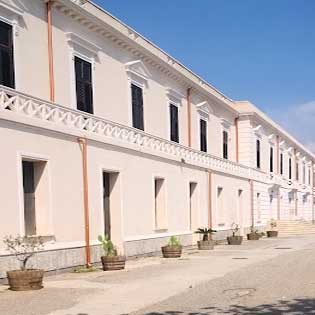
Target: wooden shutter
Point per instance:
(137, 107)
(225, 144)
(271, 160)
(203, 135)
(258, 153)
(174, 123)
(6, 55)
(83, 74)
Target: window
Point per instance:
(258, 153)
(309, 176)
(159, 204)
(6, 55)
(174, 123)
(297, 171)
(137, 107)
(84, 91)
(290, 168)
(203, 135)
(271, 160)
(192, 204)
(281, 163)
(225, 144)
(258, 205)
(304, 174)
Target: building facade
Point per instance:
(104, 133)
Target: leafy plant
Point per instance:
(205, 232)
(174, 241)
(108, 246)
(23, 247)
(273, 224)
(235, 228)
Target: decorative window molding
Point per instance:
(12, 13)
(82, 46)
(298, 155)
(282, 145)
(272, 138)
(79, 2)
(174, 97)
(204, 109)
(290, 150)
(226, 125)
(258, 131)
(138, 72)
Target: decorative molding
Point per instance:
(137, 71)
(78, 43)
(174, 96)
(205, 108)
(290, 150)
(14, 8)
(79, 2)
(272, 138)
(258, 131)
(226, 124)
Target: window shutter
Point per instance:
(6, 55)
(174, 123)
(225, 145)
(203, 135)
(137, 107)
(83, 73)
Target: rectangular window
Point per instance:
(174, 136)
(290, 168)
(84, 91)
(192, 204)
(309, 177)
(281, 163)
(203, 135)
(137, 107)
(258, 153)
(271, 160)
(159, 204)
(258, 205)
(304, 174)
(296, 171)
(225, 144)
(6, 55)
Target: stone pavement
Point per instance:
(152, 281)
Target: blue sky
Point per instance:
(262, 51)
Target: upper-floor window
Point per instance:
(137, 107)
(203, 135)
(271, 160)
(84, 89)
(258, 153)
(174, 136)
(6, 55)
(296, 171)
(304, 174)
(225, 136)
(309, 176)
(281, 163)
(290, 168)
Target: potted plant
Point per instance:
(272, 232)
(111, 260)
(24, 248)
(235, 239)
(173, 249)
(206, 243)
(254, 235)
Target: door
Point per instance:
(29, 198)
(106, 203)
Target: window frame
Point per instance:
(225, 145)
(205, 149)
(140, 86)
(258, 153)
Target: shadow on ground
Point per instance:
(296, 307)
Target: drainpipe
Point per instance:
(236, 139)
(189, 115)
(209, 199)
(251, 184)
(49, 5)
(83, 146)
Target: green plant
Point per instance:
(108, 246)
(174, 241)
(23, 247)
(273, 224)
(205, 232)
(235, 228)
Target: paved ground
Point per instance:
(260, 277)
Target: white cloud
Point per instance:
(299, 120)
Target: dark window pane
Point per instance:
(203, 135)
(258, 154)
(83, 74)
(271, 160)
(281, 164)
(6, 56)
(225, 145)
(290, 168)
(137, 107)
(174, 123)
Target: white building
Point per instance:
(166, 152)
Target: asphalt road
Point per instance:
(281, 285)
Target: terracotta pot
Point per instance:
(253, 236)
(25, 280)
(113, 262)
(272, 233)
(235, 240)
(171, 251)
(205, 245)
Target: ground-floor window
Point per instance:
(159, 204)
